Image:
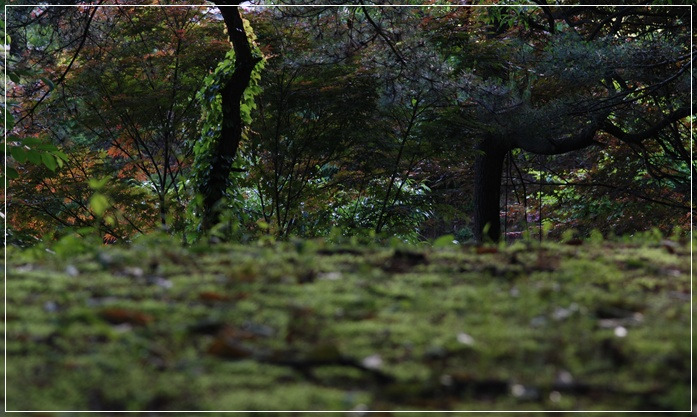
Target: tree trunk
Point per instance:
(488, 167)
(163, 211)
(231, 130)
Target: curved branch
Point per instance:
(550, 18)
(384, 37)
(617, 15)
(638, 137)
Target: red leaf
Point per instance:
(121, 315)
(481, 250)
(213, 296)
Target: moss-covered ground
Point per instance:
(311, 326)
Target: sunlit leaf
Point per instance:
(98, 184)
(61, 155)
(444, 241)
(99, 203)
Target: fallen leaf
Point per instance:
(229, 348)
(481, 250)
(213, 296)
(72, 270)
(372, 362)
(465, 339)
(121, 315)
(621, 331)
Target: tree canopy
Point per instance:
(241, 121)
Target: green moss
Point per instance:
(235, 328)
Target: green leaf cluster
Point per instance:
(210, 101)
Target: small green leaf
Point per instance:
(444, 241)
(13, 76)
(30, 141)
(49, 147)
(98, 184)
(9, 120)
(49, 161)
(61, 155)
(99, 203)
(12, 173)
(19, 154)
(34, 157)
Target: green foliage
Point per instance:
(34, 151)
(27, 149)
(210, 102)
(444, 241)
(352, 131)
(99, 203)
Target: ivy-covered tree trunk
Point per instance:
(225, 149)
(488, 168)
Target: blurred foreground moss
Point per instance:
(310, 326)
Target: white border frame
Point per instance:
(354, 5)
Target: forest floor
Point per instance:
(311, 326)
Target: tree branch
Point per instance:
(83, 39)
(638, 137)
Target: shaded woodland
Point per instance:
(245, 206)
(407, 122)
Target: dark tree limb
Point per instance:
(638, 137)
(225, 149)
(548, 13)
(381, 33)
(615, 17)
